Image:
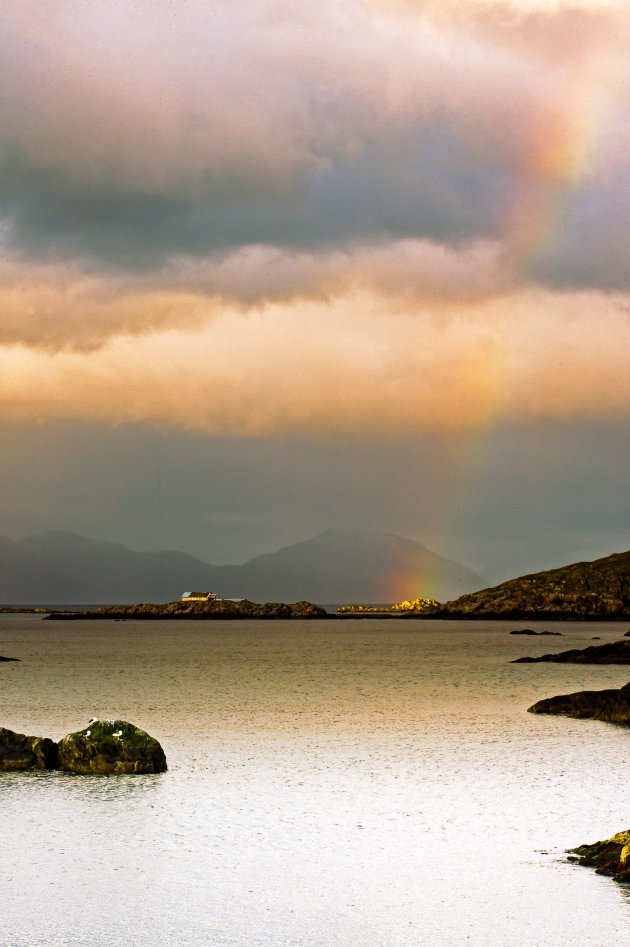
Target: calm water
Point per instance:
(356, 784)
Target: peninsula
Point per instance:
(583, 591)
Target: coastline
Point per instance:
(300, 610)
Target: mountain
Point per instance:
(337, 566)
(343, 566)
(583, 590)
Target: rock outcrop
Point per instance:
(530, 631)
(614, 652)
(103, 747)
(612, 705)
(111, 746)
(3, 658)
(610, 857)
(20, 752)
(199, 611)
(598, 590)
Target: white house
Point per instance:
(199, 596)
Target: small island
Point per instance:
(209, 607)
(195, 610)
(103, 747)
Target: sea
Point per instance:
(358, 783)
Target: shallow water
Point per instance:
(354, 783)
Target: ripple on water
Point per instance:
(365, 783)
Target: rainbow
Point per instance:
(562, 146)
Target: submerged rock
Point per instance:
(612, 705)
(615, 652)
(19, 752)
(610, 857)
(111, 746)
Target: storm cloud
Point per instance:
(140, 132)
(371, 203)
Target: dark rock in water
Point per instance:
(615, 652)
(530, 631)
(610, 857)
(18, 752)
(2, 658)
(612, 705)
(111, 746)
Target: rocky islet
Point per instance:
(219, 609)
(103, 747)
(611, 705)
(614, 652)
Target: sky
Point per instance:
(274, 267)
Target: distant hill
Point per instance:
(337, 566)
(344, 566)
(584, 590)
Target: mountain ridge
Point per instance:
(58, 566)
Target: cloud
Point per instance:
(354, 365)
(56, 307)
(134, 132)
(288, 217)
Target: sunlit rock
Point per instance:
(610, 857)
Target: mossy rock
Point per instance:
(111, 747)
(609, 857)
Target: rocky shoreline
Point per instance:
(196, 611)
(614, 652)
(566, 610)
(611, 705)
(610, 857)
(583, 591)
(223, 610)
